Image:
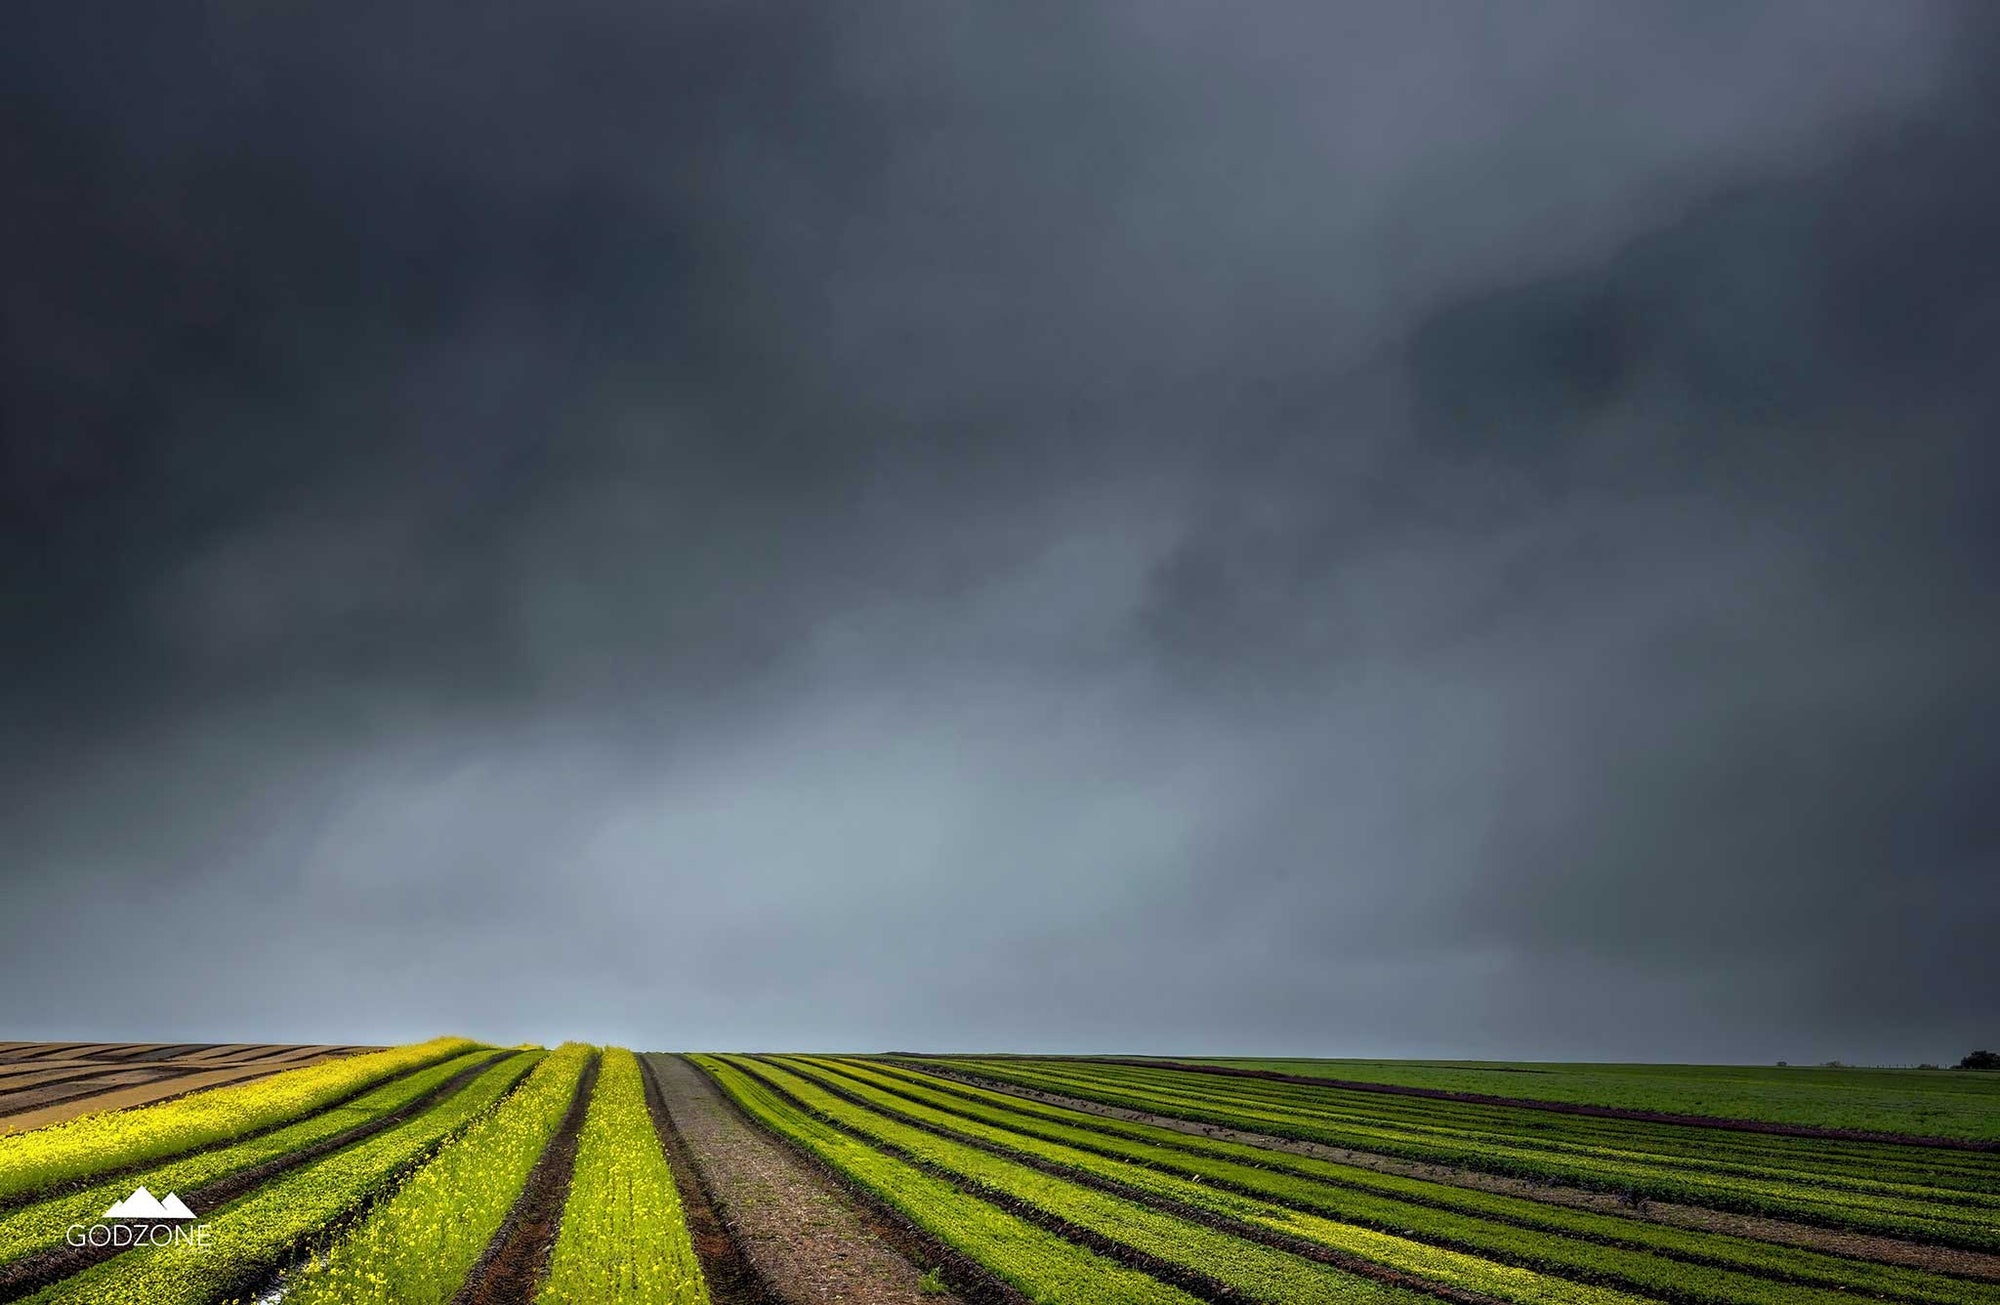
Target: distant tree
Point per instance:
(1784, 1064)
(1981, 1060)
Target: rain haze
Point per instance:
(1292, 528)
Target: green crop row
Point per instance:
(1042, 1266)
(1935, 1178)
(1920, 1209)
(1886, 1100)
(419, 1245)
(247, 1240)
(37, 1161)
(1402, 1254)
(1788, 1200)
(624, 1240)
(1250, 1269)
(34, 1228)
(1874, 1161)
(1412, 1195)
(1205, 1179)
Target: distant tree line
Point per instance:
(1981, 1060)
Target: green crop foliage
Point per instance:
(117, 1139)
(40, 1226)
(1508, 1224)
(1952, 1218)
(1256, 1271)
(1438, 1264)
(1043, 1267)
(624, 1239)
(419, 1245)
(254, 1236)
(1215, 1184)
(1921, 1102)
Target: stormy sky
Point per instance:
(1348, 529)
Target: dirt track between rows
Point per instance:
(805, 1241)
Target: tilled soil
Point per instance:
(1834, 1241)
(805, 1241)
(511, 1269)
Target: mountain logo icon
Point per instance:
(142, 1204)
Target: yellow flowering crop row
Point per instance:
(624, 1240)
(418, 1246)
(115, 1139)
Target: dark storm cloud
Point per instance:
(1330, 529)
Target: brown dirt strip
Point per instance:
(971, 1281)
(77, 1089)
(1559, 1107)
(1299, 1246)
(511, 1268)
(1833, 1241)
(147, 1094)
(31, 1274)
(799, 1239)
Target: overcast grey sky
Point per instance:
(1295, 527)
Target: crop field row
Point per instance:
(453, 1173)
(1953, 1199)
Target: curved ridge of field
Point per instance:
(624, 1240)
(1038, 1264)
(776, 1225)
(1409, 1199)
(47, 1083)
(1239, 1266)
(34, 1229)
(36, 1162)
(1910, 1102)
(420, 1244)
(1590, 1248)
(1258, 1220)
(1949, 1217)
(1879, 1169)
(254, 1237)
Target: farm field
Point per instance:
(463, 1174)
(1927, 1102)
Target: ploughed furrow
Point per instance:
(423, 1244)
(1208, 1175)
(96, 1146)
(1748, 1230)
(1559, 1107)
(35, 1241)
(1000, 1256)
(511, 1268)
(1207, 1261)
(1354, 1250)
(793, 1230)
(248, 1241)
(624, 1238)
(1950, 1218)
